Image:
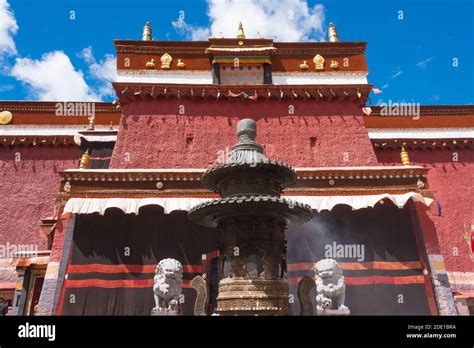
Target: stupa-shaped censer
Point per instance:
(251, 218)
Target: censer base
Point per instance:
(253, 296)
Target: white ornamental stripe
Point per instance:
(318, 203)
(321, 79)
(421, 133)
(45, 130)
(201, 78)
(95, 138)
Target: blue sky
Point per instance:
(411, 55)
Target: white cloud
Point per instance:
(8, 28)
(6, 88)
(189, 31)
(397, 73)
(104, 72)
(424, 63)
(285, 20)
(53, 77)
(435, 97)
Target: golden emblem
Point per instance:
(5, 117)
(166, 61)
(304, 65)
(180, 64)
(318, 60)
(334, 64)
(241, 43)
(150, 64)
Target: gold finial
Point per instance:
(404, 156)
(166, 61)
(147, 36)
(240, 32)
(304, 65)
(332, 33)
(84, 164)
(318, 60)
(180, 64)
(259, 36)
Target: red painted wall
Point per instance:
(452, 183)
(28, 189)
(153, 134)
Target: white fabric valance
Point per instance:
(169, 204)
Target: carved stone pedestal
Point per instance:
(333, 312)
(163, 312)
(243, 296)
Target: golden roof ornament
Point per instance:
(332, 33)
(404, 156)
(259, 36)
(180, 64)
(84, 164)
(304, 65)
(150, 64)
(147, 35)
(166, 60)
(240, 32)
(318, 61)
(334, 64)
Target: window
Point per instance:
(244, 74)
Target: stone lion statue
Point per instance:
(167, 286)
(330, 287)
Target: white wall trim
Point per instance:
(198, 77)
(420, 133)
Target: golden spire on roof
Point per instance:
(404, 156)
(332, 33)
(84, 163)
(147, 36)
(240, 32)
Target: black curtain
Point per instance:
(267, 74)
(127, 242)
(100, 153)
(387, 235)
(216, 74)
